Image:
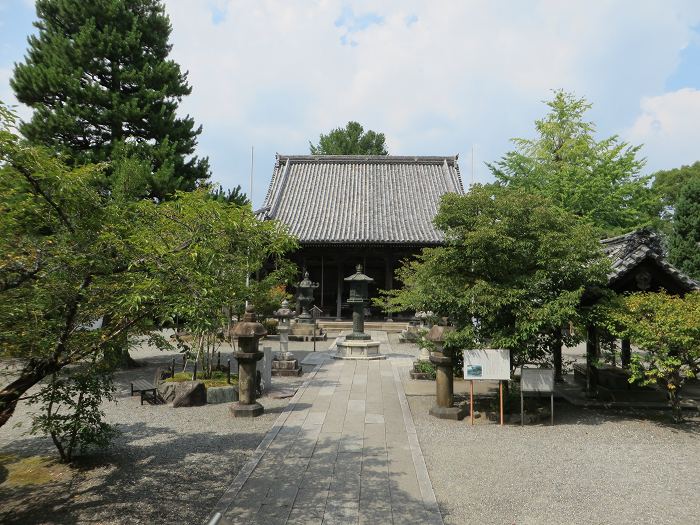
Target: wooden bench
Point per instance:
(145, 389)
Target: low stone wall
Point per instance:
(222, 394)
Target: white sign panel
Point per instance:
(537, 380)
(489, 364)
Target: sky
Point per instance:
(436, 77)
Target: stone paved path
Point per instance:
(344, 451)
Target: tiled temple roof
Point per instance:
(629, 250)
(357, 199)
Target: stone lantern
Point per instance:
(248, 331)
(284, 363)
(444, 381)
(358, 344)
(358, 298)
(305, 297)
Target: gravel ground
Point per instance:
(166, 466)
(591, 467)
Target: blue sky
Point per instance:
(438, 78)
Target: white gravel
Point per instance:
(591, 467)
(166, 466)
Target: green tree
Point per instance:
(72, 255)
(668, 183)
(597, 180)
(351, 140)
(667, 330)
(684, 242)
(98, 77)
(512, 272)
(235, 196)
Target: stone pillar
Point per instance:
(444, 382)
(248, 331)
(267, 368)
(626, 353)
(591, 355)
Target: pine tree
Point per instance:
(684, 244)
(98, 77)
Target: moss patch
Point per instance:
(32, 470)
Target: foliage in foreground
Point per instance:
(512, 273)
(80, 268)
(351, 140)
(667, 330)
(598, 180)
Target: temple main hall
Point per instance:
(354, 209)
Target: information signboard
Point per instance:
(537, 380)
(487, 364)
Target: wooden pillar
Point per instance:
(322, 279)
(591, 355)
(339, 298)
(388, 278)
(626, 353)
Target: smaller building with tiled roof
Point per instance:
(357, 209)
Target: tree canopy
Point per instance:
(668, 183)
(74, 257)
(350, 140)
(598, 180)
(684, 242)
(98, 78)
(512, 272)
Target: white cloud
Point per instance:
(669, 128)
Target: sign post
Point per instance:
(489, 365)
(539, 380)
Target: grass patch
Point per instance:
(32, 470)
(218, 378)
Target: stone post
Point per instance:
(444, 381)
(248, 331)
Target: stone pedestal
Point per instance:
(358, 349)
(286, 367)
(247, 406)
(444, 385)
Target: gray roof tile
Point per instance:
(357, 199)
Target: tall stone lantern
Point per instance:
(444, 382)
(284, 363)
(305, 297)
(358, 283)
(248, 331)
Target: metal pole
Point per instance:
(522, 405)
(228, 372)
(314, 336)
(552, 410)
(194, 376)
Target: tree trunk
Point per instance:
(32, 373)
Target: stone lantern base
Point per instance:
(251, 410)
(285, 365)
(358, 350)
(456, 413)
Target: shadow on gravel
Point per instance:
(155, 477)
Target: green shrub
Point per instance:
(217, 378)
(426, 367)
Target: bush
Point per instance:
(217, 378)
(271, 326)
(426, 367)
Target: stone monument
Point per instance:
(444, 381)
(358, 344)
(284, 363)
(305, 297)
(248, 331)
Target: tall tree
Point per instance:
(98, 77)
(350, 140)
(684, 242)
(595, 179)
(72, 254)
(513, 271)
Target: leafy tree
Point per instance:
(234, 196)
(667, 330)
(684, 243)
(351, 140)
(72, 255)
(512, 272)
(668, 183)
(98, 77)
(596, 180)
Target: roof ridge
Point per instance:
(379, 159)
